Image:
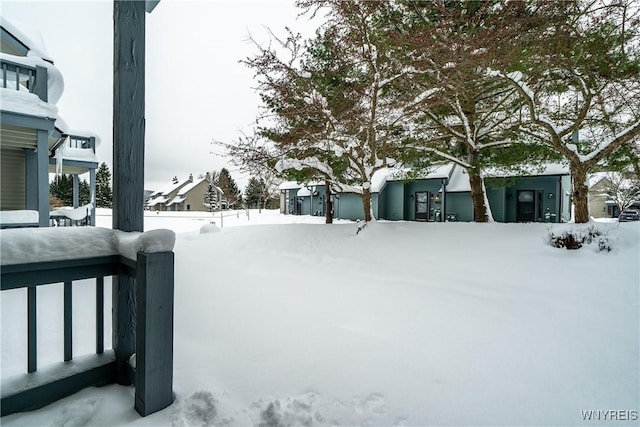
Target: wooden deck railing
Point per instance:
(153, 373)
(23, 77)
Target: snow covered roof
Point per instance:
(184, 190)
(289, 185)
(381, 176)
(170, 188)
(303, 192)
(157, 200)
(177, 199)
(28, 36)
(459, 180)
(543, 170)
(595, 178)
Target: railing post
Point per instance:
(68, 321)
(154, 332)
(41, 87)
(100, 315)
(32, 342)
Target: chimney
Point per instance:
(190, 177)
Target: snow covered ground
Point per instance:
(419, 324)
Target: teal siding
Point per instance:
(397, 200)
(433, 186)
(497, 200)
(313, 205)
(503, 192)
(461, 205)
(392, 200)
(375, 205)
(350, 207)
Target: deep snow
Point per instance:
(403, 324)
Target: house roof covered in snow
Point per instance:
(289, 185)
(29, 36)
(184, 190)
(170, 188)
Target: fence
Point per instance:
(23, 77)
(153, 371)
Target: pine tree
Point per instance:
(231, 193)
(254, 194)
(104, 194)
(62, 188)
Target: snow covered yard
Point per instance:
(405, 324)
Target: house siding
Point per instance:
(502, 195)
(350, 207)
(12, 179)
(391, 200)
(460, 205)
(195, 197)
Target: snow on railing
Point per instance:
(40, 256)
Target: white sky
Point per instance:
(196, 90)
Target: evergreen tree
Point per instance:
(104, 194)
(62, 188)
(231, 194)
(256, 194)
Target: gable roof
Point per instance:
(184, 190)
(170, 188)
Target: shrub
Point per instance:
(575, 239)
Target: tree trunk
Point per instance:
(580, 193)
(327, 197)
(477, 196)
(366, 203)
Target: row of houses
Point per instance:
(35, 141)
(187, 195)
(444, 194)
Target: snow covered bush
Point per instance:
(576, 238)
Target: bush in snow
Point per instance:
(575, 239)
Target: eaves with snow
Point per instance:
(17, 98)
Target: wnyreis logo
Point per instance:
(609, 415)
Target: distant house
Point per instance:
(158, 200)
(34, 140)
(601, 202)
(190, 197)
(443, 194)
(187, 195)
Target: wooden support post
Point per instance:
(128, 162)
(41, 87)
(92, 196)
(32, 341)
(76, 190)
(68, 321)
(154, 332)
(100, 315)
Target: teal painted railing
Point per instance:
(153, 373)
(23, 77)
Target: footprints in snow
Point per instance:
(197, 410)
(309, 409)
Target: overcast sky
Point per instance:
(196, 89)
